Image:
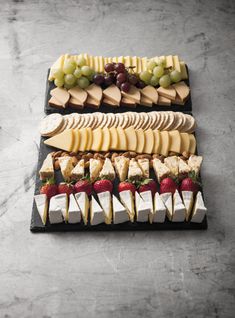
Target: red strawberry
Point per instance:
(147, 185)
(65, 188)
(188, 184)
(49, 188)
(103, 185)
(168, 185)
(125, 185)
(83, 186)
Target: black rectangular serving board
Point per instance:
(187, 107)
(37, 225)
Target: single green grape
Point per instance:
(145, 76)
(67, 86)
(86, 70)
(59, 82)
(165, 81)
(58, 73)
(91, 76)
(81, 61)
(154, 80)
(158, 71)
(151, 64)
(69, 67)
(175, 76)
(83, 82)
(77, 73)
(69, 79)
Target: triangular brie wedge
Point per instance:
(187, 197)
(126, 198)
(58, 208)
(96, 212)
(179, 210)
(120, 214)
(107, 170)
(159, 209)
(199, 209)
(106, 204)
(83, 203)
(121, 164)
(143, 207)
(42, 206)
(167, 200)
(74, 212)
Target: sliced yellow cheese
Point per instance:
(139, 65)
(64, 140)
(149, 141)
(151, 93)
(176, 63)
(127, 61)
(132, 94)
(185, 142)
(89, 138)
(145, 101)
(110, 60)
(175, 141)
(76, 140)
(58, 65)
(101, 64)
(165, 143)
(163, 101)
(95, 92)
(184, 73)
(113, 93)
(97, 139)
(144, 63)
(134, 63)
(106, 140)
(169, 61)
(91, 62)
(105, 60)
(140, 140)
(114, 144)
(131, 138)
(122, 139)
(96, 63)
(121, 59)
(157, 141)
(182, 90)
(83, 139)
(193, 144)
(169, 92)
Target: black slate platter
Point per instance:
(37, 225)
(107, 109)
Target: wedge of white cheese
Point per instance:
(74, 212)
(148, 202)
(187, 197)
(96, 212)
(42, 206)
(199, 209)
(159, 209)
(106, 204)
(58, 208)
(120, 214)
(167, 200)
(127, 200)
(179, 210)
(83, 203)
(142, 210)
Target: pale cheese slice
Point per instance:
(42, 206)
(106, 140)
(89, 138)
(150, 93)
(185, 142)
(58, 65)
(113, 93)
(121, 165)
(175, 141)
(159, 214)
(149, 141)
(132, 94)
(165, 143)
(95, 92)
(187, 197)
(134, 171)
(97, 139)
(107, 170)
(169, 92)
(106, 204)
(97, 215)
(83, 139)
(79, 94)
(47, 169)
(183, 70)
(163, 101)
(79, 170)
(140, 140)
(167, 200)
(145, 101)
(62, 141)
(169, 61)
(179, 210)
(53, 102)
(77, 139)
(157, 141)
(91, 102)
(131, 138)
(122, 139)
(61, 95)
(199, 209)
(127, 102)
(126, 198)
(66, 167)
(83, 203)
(176, 63)
(160, 169)
(109, 102)
(193, 144)
(182, 90)
(142, 210)
(120, 214)
(74, 212)
(114, 143)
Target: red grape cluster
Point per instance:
(117, 74)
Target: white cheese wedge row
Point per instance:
(139, 64)
(119, 139)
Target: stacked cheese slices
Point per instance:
(108, 209)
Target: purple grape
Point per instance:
(119, 67)
(140, 84)
(133, 79)
(108, 80)
(109, 67)
(118, 84)
(98, 79)
(121, 77)
(125, 87)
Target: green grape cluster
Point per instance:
(73, 74)
(157, 74)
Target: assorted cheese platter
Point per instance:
(117, 167)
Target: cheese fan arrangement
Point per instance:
(116, 168)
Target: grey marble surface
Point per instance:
(152, 274)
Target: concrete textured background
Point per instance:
(149, 274)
